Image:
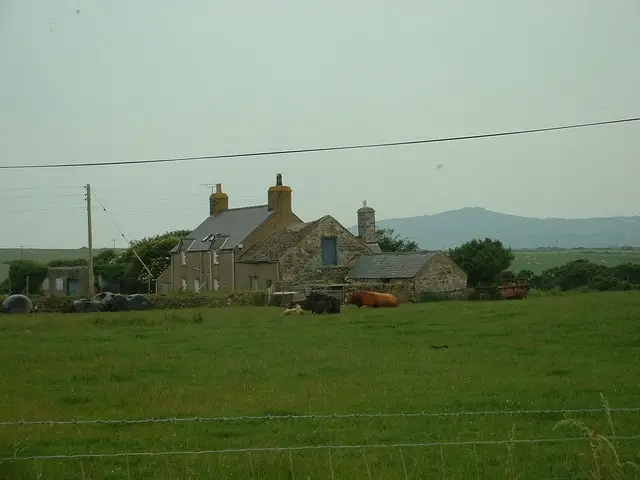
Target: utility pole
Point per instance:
(90, 241)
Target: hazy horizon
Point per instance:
(94, 82)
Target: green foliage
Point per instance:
(76, 262)
(154, 252)
(391, 242)
(20, 270)
(110, 272)
(105, 257)
(482, 260)
(588, 275)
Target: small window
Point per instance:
(329, 251)
(60, 284)
(196, 285)
(254, 282)
(183, 258)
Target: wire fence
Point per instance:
(317, 416)
(290, 449)
(326, 456)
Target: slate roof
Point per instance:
(374, 247)
(224, 230)
(390, 265)
(272, 248)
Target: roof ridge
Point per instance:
(246, 207)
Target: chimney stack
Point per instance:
(218, 201)
(367, 223)
(279, 197)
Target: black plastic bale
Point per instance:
(138, 301)
(17, 304)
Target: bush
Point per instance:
(486, 293)
(170, 301)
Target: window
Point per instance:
(184, 283)
(253, 282)
(329, 251)
(183, 258)
(60, 284)
(196, 285)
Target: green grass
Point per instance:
(551, 352)
(539, 260)
(40, 255)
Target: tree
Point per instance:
(154, 252)
(106, 257)
(482, 260)
(78, 262)
(26, 276)
(391, 242)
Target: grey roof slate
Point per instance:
(272, 248)
(374, 247)
(390, 265)
(224, 230)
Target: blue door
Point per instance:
(329, 251)
(73, 287)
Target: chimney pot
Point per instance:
(218, 188)
(279, 180)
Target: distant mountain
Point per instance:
(449, 229)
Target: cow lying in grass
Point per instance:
(294, 309)
(320, 303)
(372, 299)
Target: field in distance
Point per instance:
(534, 260)
(548, 352)
(41, 255)
(539, 260)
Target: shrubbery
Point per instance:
(583, 274)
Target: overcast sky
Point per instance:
(127, 80)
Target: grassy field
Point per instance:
(539, 260)
(550, 352)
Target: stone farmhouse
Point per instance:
(269, 246)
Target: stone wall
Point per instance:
(304, 262)
(441, 275)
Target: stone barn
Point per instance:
(414, 272)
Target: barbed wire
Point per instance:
(315, 447)
(328, 416)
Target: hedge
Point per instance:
(169, 301)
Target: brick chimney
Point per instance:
(279, 197)
(218, 201)
(367, 223)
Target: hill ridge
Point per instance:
(453, 227)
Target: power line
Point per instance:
(321, 149)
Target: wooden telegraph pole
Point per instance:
(90, 242)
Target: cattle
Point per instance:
(372, 299)
(320, 303)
